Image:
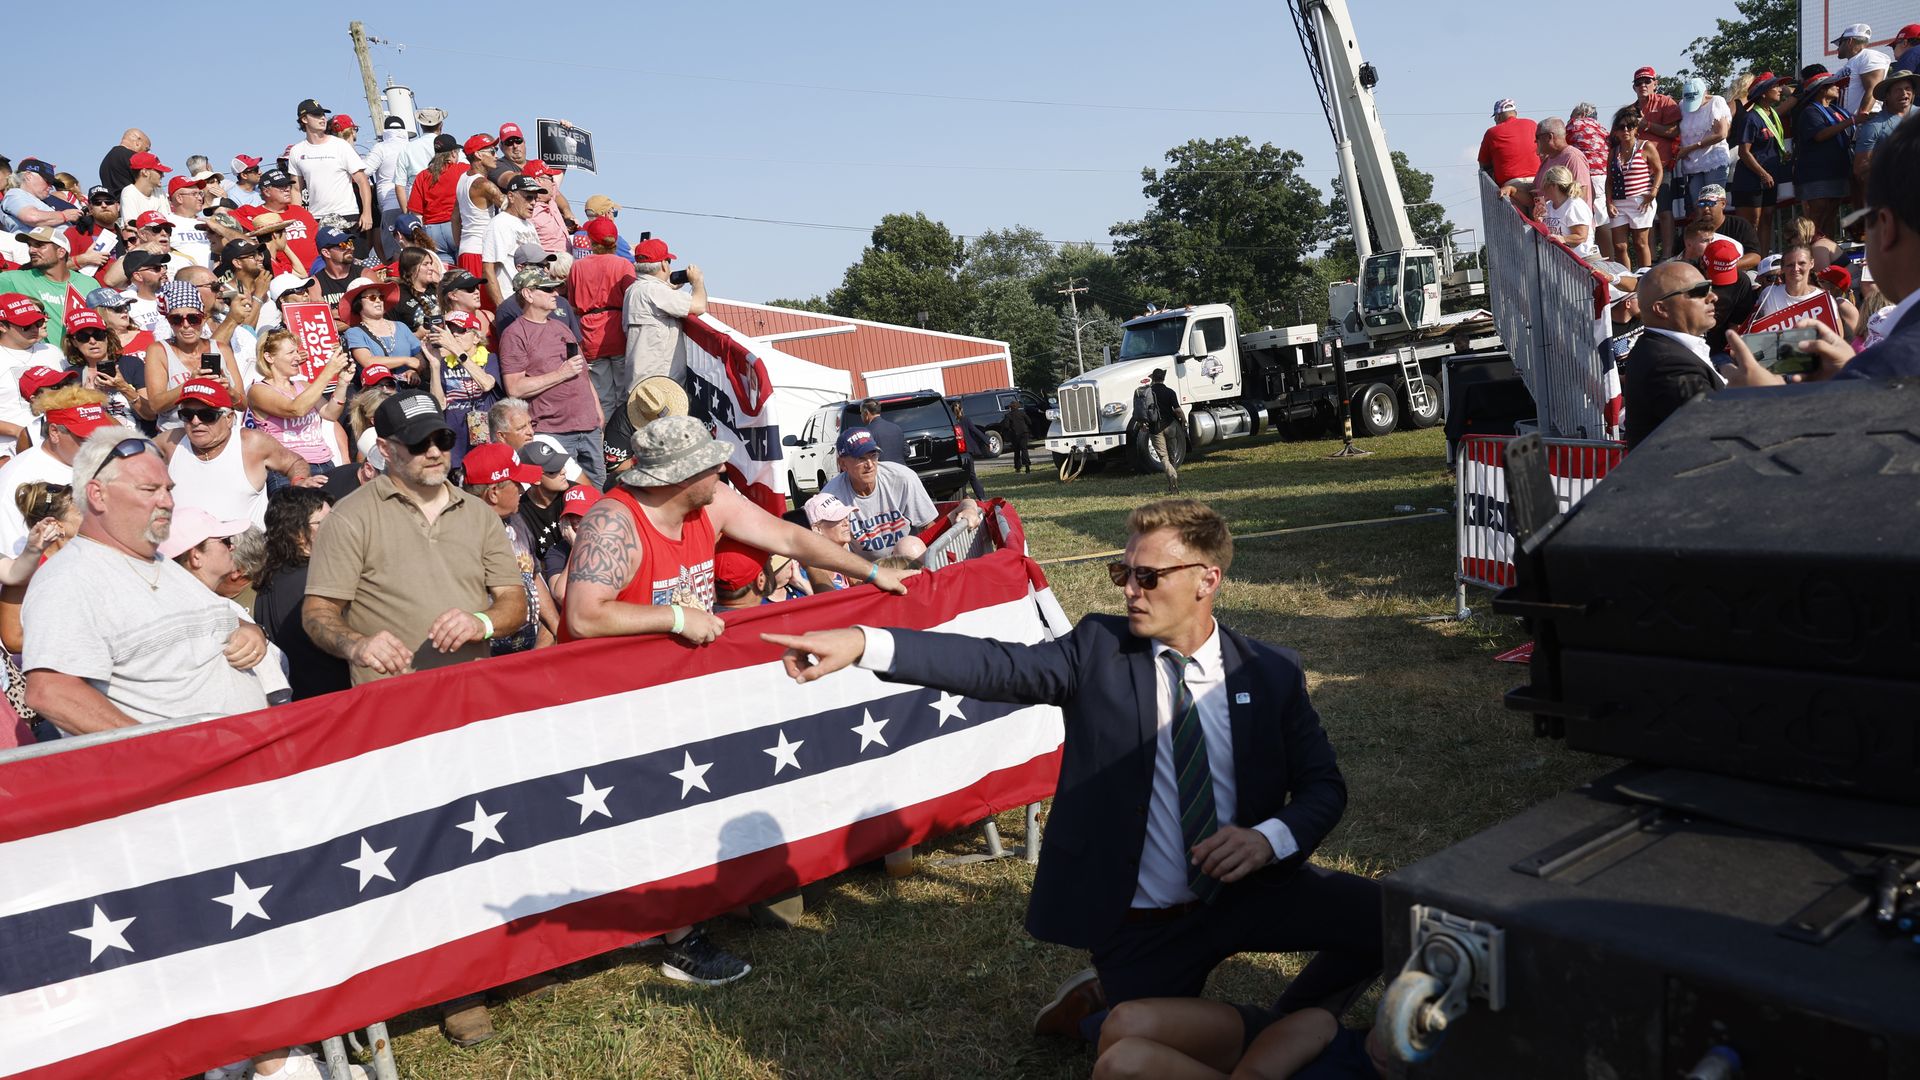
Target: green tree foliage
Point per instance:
(1003, 309)
(812, 303)
(1231, 223)
(1765, 37)
(1429, 219)
(1015, 254)
(908, 275)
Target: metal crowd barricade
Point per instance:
(375, 1041)
(1548, 305)
(1485, 536)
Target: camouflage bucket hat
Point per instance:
(671, 450)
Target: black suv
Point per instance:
(933, 441)
(988, 409)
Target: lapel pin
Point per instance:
(1242, 699)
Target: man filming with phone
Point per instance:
(655, 310)
(540, 358)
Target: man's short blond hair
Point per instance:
(1201, 529)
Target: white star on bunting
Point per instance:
(692, 776)
(948, 707)
(244, 901)
(104, 934)
(785, 753)
(592, 800)
(483, 827)
(371, 864)
(869, 730)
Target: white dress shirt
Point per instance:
(1162, 881)
(1697, 346)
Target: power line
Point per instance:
(521, 58)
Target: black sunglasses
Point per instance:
(88, 335)
(32, 327)
(122, 450)
(200, 415)
(1147, 576)
(1696, 291)
(442, 439)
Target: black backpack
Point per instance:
(1146, 407)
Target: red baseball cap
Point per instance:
(536, 167)
(20, 309)
(1721, 261)
(41, 377)
(490, 463)
(510, 131)
(146, 161)
(84, 319)
(477, 143)
(341, 122)
(1644, 73)
(577, 500)
(152, 219)
(463, 320)
(1908, 32)
(206, 392)
(736, 566)
(652, 251)
(600, 229)
(374, 374)
(243, 162)
(82, 420)
(1836, 276)
(179, 182)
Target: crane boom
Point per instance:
(1345, 82)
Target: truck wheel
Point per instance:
(1417, 418)
(1145, 459)
(995, 443)
(1376, 410)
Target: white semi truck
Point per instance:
(1232, 384)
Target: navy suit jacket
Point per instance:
(1102, 678)
(891, 438)
(1898, 354)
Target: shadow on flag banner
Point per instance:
(728, 388)
(278, 877)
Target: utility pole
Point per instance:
(1072, 293)
(376, 106)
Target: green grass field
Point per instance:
(931, 975)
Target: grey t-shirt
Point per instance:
(156, 653)
(898, 506)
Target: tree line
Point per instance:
(1227, 222)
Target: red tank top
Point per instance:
(670, 571)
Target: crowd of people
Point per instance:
(204, 514)
(1722, 219)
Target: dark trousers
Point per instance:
(1022, 462)
(1308, 909)
(973, 478)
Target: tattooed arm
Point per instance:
(325, 621)
(606, 555)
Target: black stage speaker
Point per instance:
(1742, 593)
(1661, 924)
(1485, 396)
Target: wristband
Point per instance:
(486, 624)
(679, 619)
(873, 571)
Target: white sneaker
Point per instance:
(302, 1065)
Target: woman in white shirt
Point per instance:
(1704, 158)
(1569, 217)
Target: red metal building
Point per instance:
(883, 358)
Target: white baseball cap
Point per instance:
(1857, 30)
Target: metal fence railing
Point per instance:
(1485, 535)
(1549, 307)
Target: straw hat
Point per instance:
(654, 397)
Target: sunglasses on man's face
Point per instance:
(1696, 291)
(34, 327)
(515, 141)
(199, 415)
(188, 318)
(1147, 576)
(442, 440)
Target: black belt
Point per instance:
(597, 310)
(1160, 914)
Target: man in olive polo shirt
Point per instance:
(409, 572)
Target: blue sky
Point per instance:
(836, 115)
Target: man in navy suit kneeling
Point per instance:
(1195, 781)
